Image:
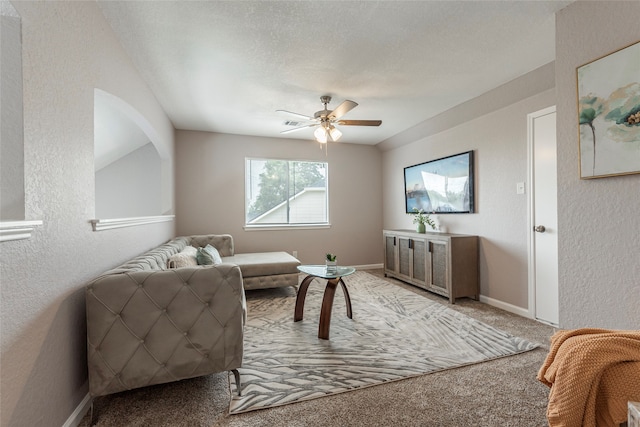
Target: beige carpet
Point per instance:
(393, 335)
(500, 392)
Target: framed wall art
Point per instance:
(609, 114)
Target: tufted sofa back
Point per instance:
(222, 242)
(156, 258)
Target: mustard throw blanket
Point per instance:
(592, 373)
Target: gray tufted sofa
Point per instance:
(147, 324)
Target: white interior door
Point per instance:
(543, 270)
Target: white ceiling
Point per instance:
(226, 66)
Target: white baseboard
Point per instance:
(506, 306)
(79, 413)
(368, 266)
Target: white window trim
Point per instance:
(17, 230)
(275, 227)
(109, 224)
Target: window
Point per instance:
(285, 192)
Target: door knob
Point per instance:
(539, 229)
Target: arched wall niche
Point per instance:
(132, 167)
(13, 225)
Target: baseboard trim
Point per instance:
(368, 266)
(78, 414)
(506, 306)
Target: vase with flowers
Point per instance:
(422, 219)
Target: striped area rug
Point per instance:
(394, 334)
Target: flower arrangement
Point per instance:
(421, 218)
(331, 257)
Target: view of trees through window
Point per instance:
(285, 192)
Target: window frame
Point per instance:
(284, 226)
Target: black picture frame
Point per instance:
(441, 186)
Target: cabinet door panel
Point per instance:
(419, 260)
(403, 256)
(390, 253)
(439, 265)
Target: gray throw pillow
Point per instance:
(214, 254)
(208, 256)
(204, 257)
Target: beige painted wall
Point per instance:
(598, 221)
(68, 50)
(499, 141)
(210, 195)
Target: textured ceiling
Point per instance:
(226, 66)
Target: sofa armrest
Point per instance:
(152, 327)
(222, 242)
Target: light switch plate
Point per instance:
(519, 187)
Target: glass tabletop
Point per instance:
(326, 272)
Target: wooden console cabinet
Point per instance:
(446, 264)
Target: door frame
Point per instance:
(531, 206)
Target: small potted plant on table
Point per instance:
(421, 218)
(331, 263)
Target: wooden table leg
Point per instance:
(302, 294)
(347, 299)
(325, 310)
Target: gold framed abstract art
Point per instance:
(609, 114)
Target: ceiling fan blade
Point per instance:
(342, 109)
(359, 122)
(300, 128)
(302, 116)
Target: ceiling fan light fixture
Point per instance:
(321, 134)
(334, 133)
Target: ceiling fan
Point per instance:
(325, 120)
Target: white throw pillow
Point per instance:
(186, 258)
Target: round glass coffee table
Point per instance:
(334, 276)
